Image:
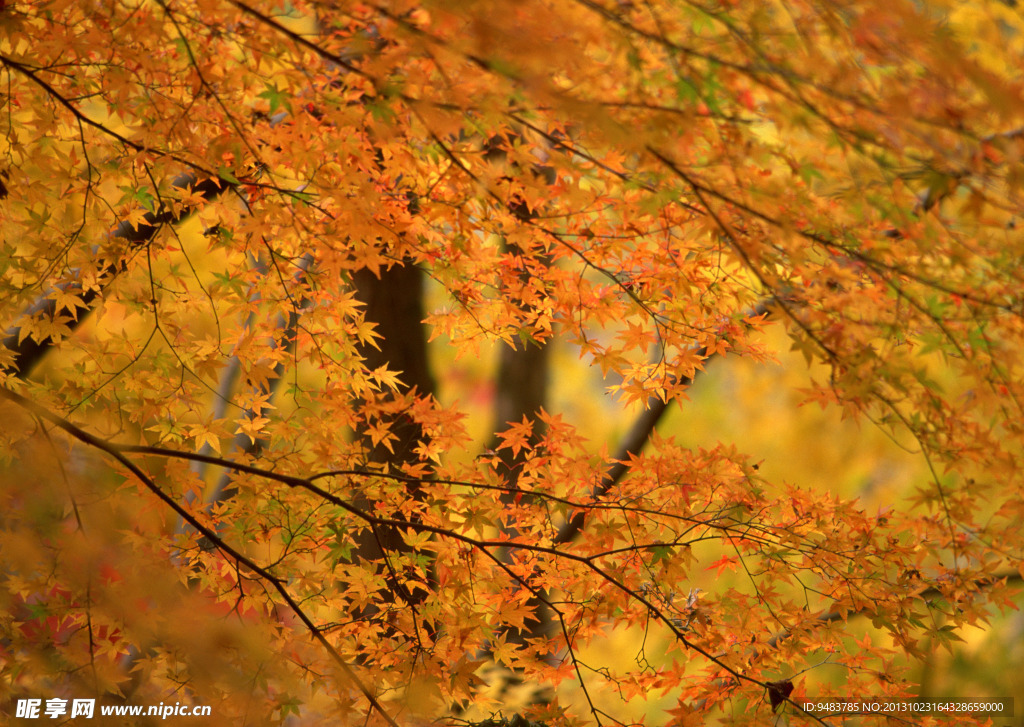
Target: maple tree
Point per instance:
(252, 253)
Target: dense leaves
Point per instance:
(252, 253)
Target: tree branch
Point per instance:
(634, 443)
(209, 533)
(29, 351)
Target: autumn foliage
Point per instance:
(292, 294)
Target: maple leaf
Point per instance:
(726, 562)
(778, 693)
(250, 427)
(517, 437)
(136, 218)
(204, 437)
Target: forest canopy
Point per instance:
(511, 363)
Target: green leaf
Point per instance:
(808, 173)
(276, 97)
(227, 175)
(660, 553)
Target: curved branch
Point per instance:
(634, 443)
(28, 73)
(29, 351)
(240, 559)
(483, 545)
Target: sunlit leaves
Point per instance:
(639, 186)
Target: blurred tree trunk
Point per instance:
(394, 303)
